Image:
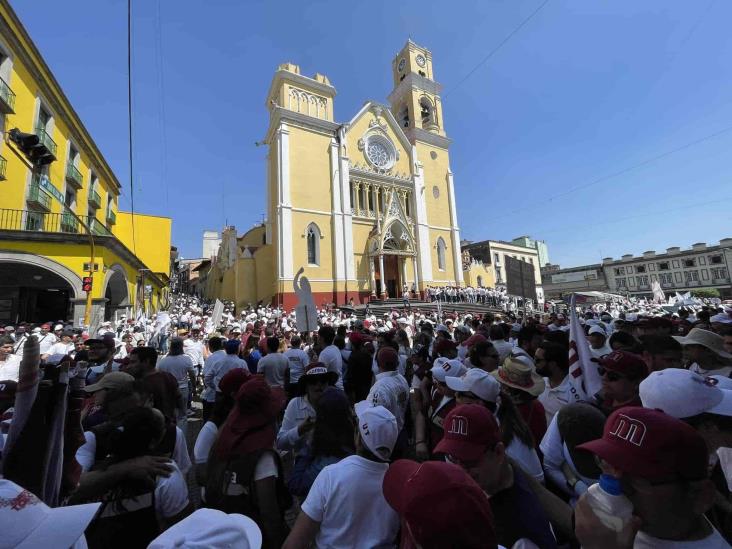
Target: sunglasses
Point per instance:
(611, 376)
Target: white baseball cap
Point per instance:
(444, 367)
(683, 393)
(378, 429)
(58, 327)
(476, 381)
(597, 330)
(210, 528)
(28, 523)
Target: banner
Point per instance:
(218, 312)
(583, 374)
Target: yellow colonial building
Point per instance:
(364, 207)
(59, 217)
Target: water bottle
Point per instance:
(609, 504)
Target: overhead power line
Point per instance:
(497, 48)
(129, 117)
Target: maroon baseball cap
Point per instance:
(441, 504)
(470, 430)
(650, 444)
(625, 363)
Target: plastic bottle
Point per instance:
(609, 504)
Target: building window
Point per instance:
(691, 275)
(640, 269)
(715, 260)
(642, 280)
(619, 271)
(497, 258)
(663, 266)
(313, 236)
(689, 263)
(719, 272)
(621, 282)
(441, 254)
(665, 278)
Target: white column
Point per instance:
(421, 229)
(284, 208)
(416, 275)
(381, 274)
(372, 276)
(345, 177)
(455, 232)
(337, 243)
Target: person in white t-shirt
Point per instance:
(45, 338)
(9, 363)
(390, 389)
(273, 365)
(552, 363)
(345, 507)
(331, 355)
(63, 347)
(599, 345)
(298, 361)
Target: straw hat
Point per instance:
(519, 375)
(707, 339)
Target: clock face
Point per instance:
(402, 63)
(421, 60)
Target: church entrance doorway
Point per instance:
(391, 275)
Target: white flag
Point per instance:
(583, 375)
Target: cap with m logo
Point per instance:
(458, 426)
(629, 429)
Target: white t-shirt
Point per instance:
(391, 391)
(61, 348)
(273, 366)
(554, 398)
(348, 501)
(298, 360)
(86, 454)
(171, 493)
(331, 357)
(725, 371)
(178, 366)
(10, 368)
(204, 441)
(45, 342)
(526, 458)
(712, 541)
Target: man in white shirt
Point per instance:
(63, 347)
(228, 362)
(273, 365)
(45, 338)
(598, 342)
(390, 390)
(9, 363)
(346, 507)
(298, 360)
(331, 355)
(552, 363)
(208, 395)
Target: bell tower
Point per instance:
(415, 100)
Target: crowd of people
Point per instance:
(412, 429)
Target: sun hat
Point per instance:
(625, 363)
(113, 381)
(470, 430)
(651, 444)
(518, 374)
(28, 523)
(705, 338)
(683, 393)
(441, 504)
(476, 381)
(210, 528)
(378, 429)
(444, 367)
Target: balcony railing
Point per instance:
(46, 140)
(27, 220)
(7, 98)
(39, 197)
(94, 198)
(73, 176)
(3, 168)
(111, 217)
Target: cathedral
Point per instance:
(361, 208)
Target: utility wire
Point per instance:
(496, 49)
(161, 104)
(129, 117)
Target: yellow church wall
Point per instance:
(253, 237)
(448, 274)
(310, 176)
(265, 273)
(284, 95)
(435, 175)
(478, 270)
(246, 282)
(300, 222)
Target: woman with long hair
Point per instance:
(332, 440)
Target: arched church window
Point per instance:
(480, 281)
(441, 254)
(313, 238)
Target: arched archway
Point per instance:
(480, 281)
(115, 291)
(36, 289)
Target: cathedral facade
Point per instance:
(361, 208)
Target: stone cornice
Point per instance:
(280, 114)
(299, 79)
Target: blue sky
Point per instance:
(584, 91)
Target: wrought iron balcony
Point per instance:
(73, 176)
(46, 141)
(94, 199)
(3, 168)
(7, 98)
(36, 221)
(111, 217)
(38, 197)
